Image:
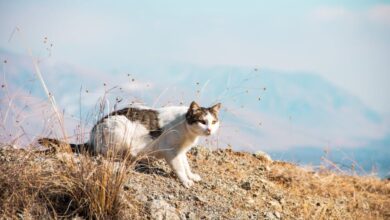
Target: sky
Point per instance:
(325, 64)
(345, 42)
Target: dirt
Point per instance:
(236, 185)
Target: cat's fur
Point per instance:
(166, 133)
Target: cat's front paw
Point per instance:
(195, 177)
(187, 183)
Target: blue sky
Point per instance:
(325, 65)
(345, 42)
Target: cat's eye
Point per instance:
(214, 122)
(202, 122)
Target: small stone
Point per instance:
(263, 156)
(278, 196)
(159, 210)
(277, 214)
(276, 205)
(191, 215)
(246, 185)
(199, 198)
(269, 216)
(142, 198)
(250, 201)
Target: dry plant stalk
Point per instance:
(46, 90)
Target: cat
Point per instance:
(165, 133)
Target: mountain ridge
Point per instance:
(270, 110)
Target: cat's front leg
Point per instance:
(177, 165)
(193, 176)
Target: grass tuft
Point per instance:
(61, 185)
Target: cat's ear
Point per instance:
(216, 107)
(194, 106)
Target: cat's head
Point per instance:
(203, 121)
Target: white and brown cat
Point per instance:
(166, 133)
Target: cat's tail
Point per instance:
(53, 144)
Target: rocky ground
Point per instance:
(238, 185)
(235, 185)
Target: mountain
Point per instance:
(286, 113)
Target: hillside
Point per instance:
(235, 185)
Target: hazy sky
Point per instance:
(347, 43)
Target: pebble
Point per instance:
(263, 156)
(199, 198)
(161, 210)
(269, 216)
(276, 205)
(191, 215)
(246, 185)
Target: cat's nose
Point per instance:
(208, 131)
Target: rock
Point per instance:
(250, 201)
(200, 152)
(263, 156)
(269, 216)
(160, 210)
(278, 197)
(141, 197)
(275, 205)
(4, 157)
(246, 185)
(191, 216)
(199, 198)
(170, 197)
(277, 214)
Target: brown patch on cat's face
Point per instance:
(197, 114)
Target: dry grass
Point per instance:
(36, 185)
(40, 186)
(364, 197)
(235, 185)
